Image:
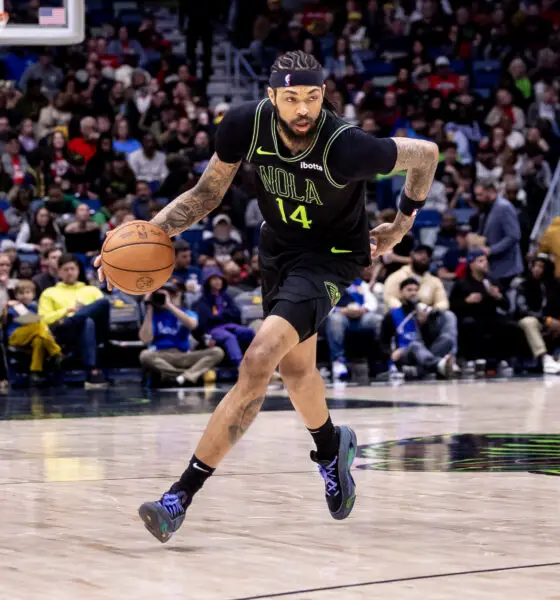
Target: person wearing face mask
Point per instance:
(222, 246)
(414, 335)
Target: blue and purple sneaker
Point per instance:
(163, 517)
(340, 489)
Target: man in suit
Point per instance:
(499, 224)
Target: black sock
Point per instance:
(326, 440)
(194, 477)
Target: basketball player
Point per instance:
(311, 167)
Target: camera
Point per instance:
(158, 300)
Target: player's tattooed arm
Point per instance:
(192, 206)
(419, 159)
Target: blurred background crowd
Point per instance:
(95, 135)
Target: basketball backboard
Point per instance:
(42, 22)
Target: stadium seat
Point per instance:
(30, 257)
(487, 79)
(93, 204)
(463, 215)
(376, 68)
(487, 73)
(486, 65)
(194, 238)
(130, 17)
(126, 5)
(99, 17)
(485, 93)
(458, 66)
(427, 218)
(384, 81)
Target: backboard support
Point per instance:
(72, 31)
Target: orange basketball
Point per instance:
(138, 257)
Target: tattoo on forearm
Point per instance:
(192, 206)
(403, 224)
(243, 419)
(419, 159)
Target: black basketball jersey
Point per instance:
(299, 198)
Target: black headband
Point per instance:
(288, 78)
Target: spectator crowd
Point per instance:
(93, 136)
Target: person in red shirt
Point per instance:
(444, 81)
(86, 145)
(106, 59)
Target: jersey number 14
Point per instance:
(298, 216)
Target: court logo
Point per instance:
(288, 80)
(466, 453)
(333, 292)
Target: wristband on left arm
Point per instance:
(408, 206)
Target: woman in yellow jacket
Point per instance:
(78, 315)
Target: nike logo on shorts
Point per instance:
(199, 468)
(337, 251)
(264, 152)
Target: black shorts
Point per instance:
(300, 286)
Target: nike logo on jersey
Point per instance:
(199, 468)
(304, 165)
(264, 152)
(337, 251)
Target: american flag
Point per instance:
(52, 16)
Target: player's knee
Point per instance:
(295, 375)
(258, 364)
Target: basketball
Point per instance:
(138, 257)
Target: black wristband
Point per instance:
(408, 206)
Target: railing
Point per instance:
(549, 209)
(239, 63)
(241, 73)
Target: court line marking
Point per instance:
(397, 580)
(147, 478)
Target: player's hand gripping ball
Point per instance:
(137, 257)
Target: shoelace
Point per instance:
(328, 473)
(172, 504)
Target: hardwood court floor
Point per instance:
(457, 498)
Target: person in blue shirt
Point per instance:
(166, 330)
(123, 141)
(413, 335)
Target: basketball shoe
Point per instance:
(163, 517)
(340, 489)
